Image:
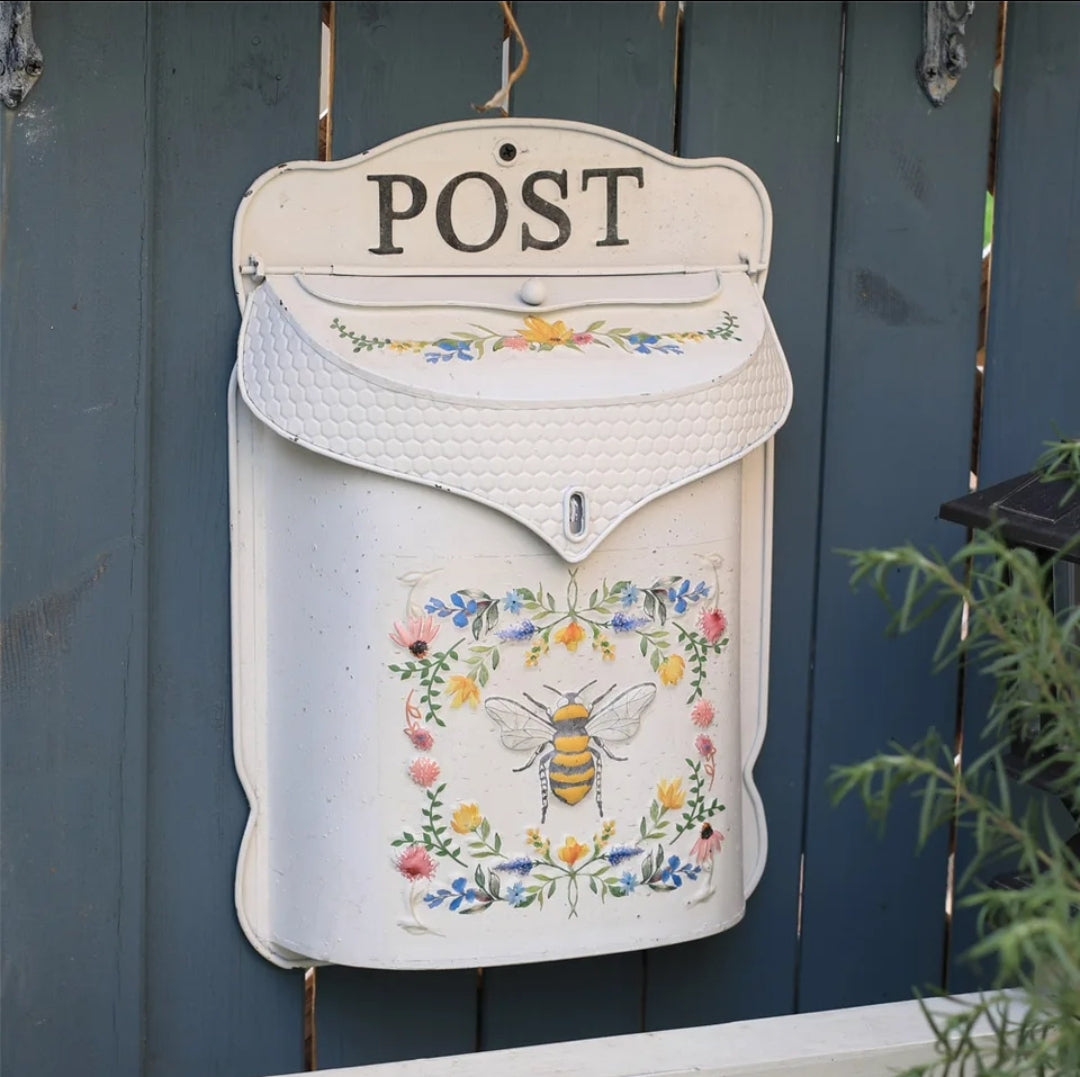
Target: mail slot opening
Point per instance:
(575, 515)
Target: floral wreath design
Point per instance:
(538, 335)
(486, 871)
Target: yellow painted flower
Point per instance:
(535, 653)
(571, 851)
(462, 690)
(466, 819)
(607, 832)
(671, 794)
(537, 841)
(605, 647)
(537, 331)
(570, 635)
(671, 669)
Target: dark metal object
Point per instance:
(20, 57)
(1037, 515)
(1029, 512)
(944, 56)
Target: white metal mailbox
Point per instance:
(501, 489)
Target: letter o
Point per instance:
(445, 224)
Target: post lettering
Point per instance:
(546, 209)
(445, 203)
(387, 213)
(612, 175)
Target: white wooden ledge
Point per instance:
(865, 1041)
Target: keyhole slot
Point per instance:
(575, 515)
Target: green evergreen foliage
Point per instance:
(1000, 620)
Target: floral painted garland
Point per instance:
(459, 673)
(538, 335)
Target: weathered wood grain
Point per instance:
(398, 67)
(73, 320)
(235, 91)
(611, 64)
(904, 319)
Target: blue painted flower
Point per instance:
(680, 597)
(448, 349)
(701, 591)
(622, 622)
(512, 602)
(437, 606)
(520, 865)
(628, 881)
(643, 342)
(668, 349)
(464, 609)
(618, 853)
(670, 874)
(515, 895)
(434, 899)
(464, 892)
(521, 630)
(630, 596)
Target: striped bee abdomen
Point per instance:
(572, 770)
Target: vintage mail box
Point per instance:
(501, 474)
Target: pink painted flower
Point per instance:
(709, 842)
(703, 714)
(416, 636)
(519, 344)
(713, 624)
(423, 771)
(415, 863)
(421, 739)
(707, 751)
(583, 338)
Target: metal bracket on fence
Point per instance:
(20, 57)
(944, 56)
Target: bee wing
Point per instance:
(520, 729)
(620, 719)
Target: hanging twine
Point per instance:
(501, 99)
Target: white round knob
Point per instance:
(533, 292)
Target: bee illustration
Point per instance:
(573, 732)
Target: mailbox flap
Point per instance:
(566, 402)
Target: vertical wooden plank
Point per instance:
(398, 67)
(236, 92)
(1032, 388)
(72, 323)
(1032, 391)
(613, 65)
(760, 84)
(904, 314)
(610, 64)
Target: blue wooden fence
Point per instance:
(121, 173)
